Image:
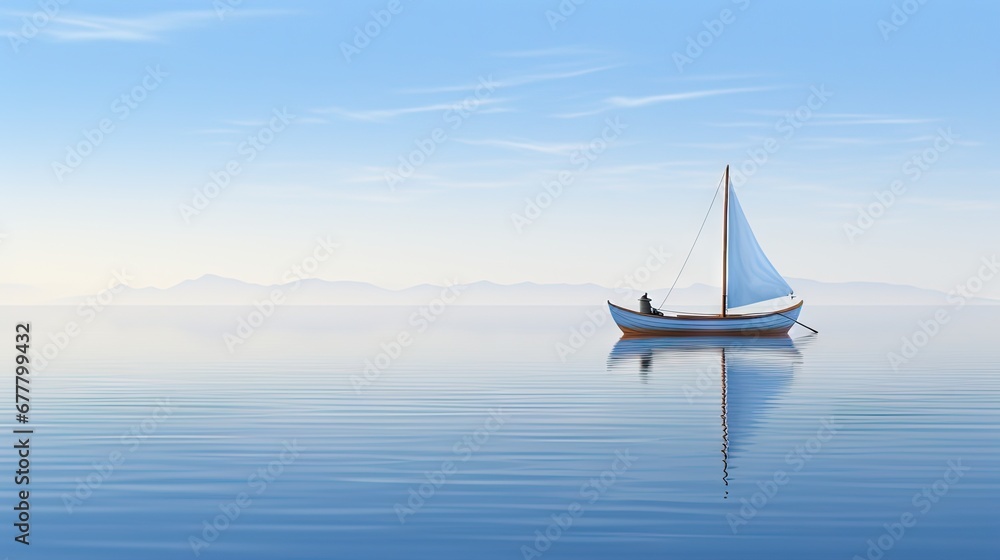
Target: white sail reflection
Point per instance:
(753, 376)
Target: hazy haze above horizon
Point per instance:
(542, 93)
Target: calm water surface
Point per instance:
(478, 440)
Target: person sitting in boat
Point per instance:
(645, 307)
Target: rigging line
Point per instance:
(703, 222)
(796, 322)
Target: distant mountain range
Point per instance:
(217, 290)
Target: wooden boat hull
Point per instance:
(773, 323)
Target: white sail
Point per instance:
(751, 278)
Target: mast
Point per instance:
(725, 241)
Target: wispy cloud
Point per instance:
(624, 102)
(803, 187)
(565, 50)
(310, 120)
(718, 77)
(513, 81)
(313, 193)
(741, 124)
(579, 114)
(950, 203)
(245, 122)
(850, 119)
(831, 122)
(373, 115)
(864, 141)
(369, 174)
(954, 203)
(684, 96)
(487, 105)
(708, 145)
(633, 168)
(480, 184)
(153, 27)
(526, 146)
(218, 131)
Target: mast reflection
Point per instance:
(754, 373)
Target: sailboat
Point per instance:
(748, 278)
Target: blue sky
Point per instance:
(197, 84)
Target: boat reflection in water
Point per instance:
(752, 375)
